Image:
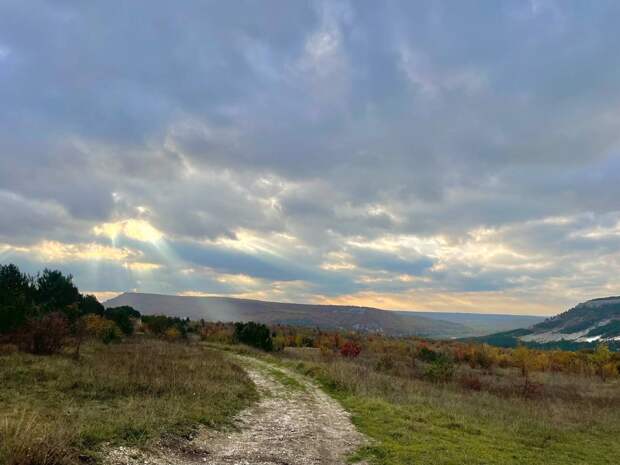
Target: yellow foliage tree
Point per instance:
(172, 334)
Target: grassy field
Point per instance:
(54, 410)
(413, 421)
(575, 421)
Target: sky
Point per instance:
(447, 156)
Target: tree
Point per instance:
(90, 305)
(16, 303)
(123, 316)
(56, 291)
(254, 334)
(601, 358)
(527, 360)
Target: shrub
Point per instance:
(484, 356)
(531, 389)
(160, 324)
(440, 370)
(427, 355)
(110, 334)
(254, 334)
(279, 343)
(172, 334)
(385, 363)
(7, 349)
(350, 349)
(101, 328)
(123, 317)
(609, 370)
(46, 335)
(471, 382)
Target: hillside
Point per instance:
(322, 316)
(597, 320)
(482, 323)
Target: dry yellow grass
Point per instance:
(53, 409)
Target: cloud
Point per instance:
(333, 151)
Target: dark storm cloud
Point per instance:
(313, 124)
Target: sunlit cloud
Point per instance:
(238, 280)
(141, 266)
(281, 291)
(140, 230)
(494, 302)
(102, 296)
(337, 154)
(52, 251)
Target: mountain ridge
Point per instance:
(593, 321)
(347, 317)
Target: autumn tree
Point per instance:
(526, 360)
(602, 360)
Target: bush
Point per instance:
(98, 327)
(110, 334)
(46, 335)
(8, 349)
(123, 317)
(531, 389)
(427, 355)
(471, 382)
(385, 363)
(440, 370)
(172, 334)
(350, 349)
(161, 324)
(484, 357)
(254, 334)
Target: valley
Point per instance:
(396, 323)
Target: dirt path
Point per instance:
(294, 423)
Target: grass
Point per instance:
(268, 364)
(54, 410)
(412, 421)
(284, 378)
(576, 420)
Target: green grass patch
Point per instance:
(411, 421)
(420, 434)
(285, 379)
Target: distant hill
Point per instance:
(594, 321)
(322, 316)
(480, 324)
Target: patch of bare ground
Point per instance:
(294, 423)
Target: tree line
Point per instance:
(40, 312)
